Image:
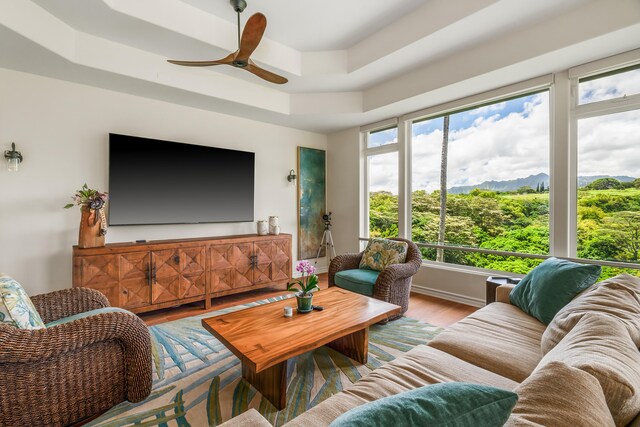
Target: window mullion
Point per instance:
(403, 194)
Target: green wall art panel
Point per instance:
(311, 201)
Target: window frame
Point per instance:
(368, 152)
(585, 111)
(564, 112)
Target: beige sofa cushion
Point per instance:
(600, 345)
(559, 395)
(617, 297)
(421, 366)
(500, 338)
(503, 292)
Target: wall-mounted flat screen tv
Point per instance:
(162, 182)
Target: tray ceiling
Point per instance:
(348, 63)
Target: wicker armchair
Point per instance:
(393, 283)
(63, 374)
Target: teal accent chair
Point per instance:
(393, 284)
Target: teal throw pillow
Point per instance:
(551, 285)
(16, 308)
(446, 404)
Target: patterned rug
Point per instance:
(197, 381)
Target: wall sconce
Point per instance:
(14, 158)
(292, 176)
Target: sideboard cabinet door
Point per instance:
(135, 284)
(99, 272)
(193, 268)
(231, 266)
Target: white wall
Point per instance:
(343, 188)
(62, 130)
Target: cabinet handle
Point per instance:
(149, 274)
(176, 259)
(254, 261)
(154, 276)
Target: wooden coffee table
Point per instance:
(264, 340)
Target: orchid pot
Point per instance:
(305, 286)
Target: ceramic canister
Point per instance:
(263, 228)
(273, 223)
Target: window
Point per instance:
(615, 84)
(608, 170)
(489, 167)
(383, 195)
(474, 182)
(382, 182)
(382, 137)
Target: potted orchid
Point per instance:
(307, 283)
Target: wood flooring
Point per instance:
(432, 310)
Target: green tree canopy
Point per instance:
(604, 184)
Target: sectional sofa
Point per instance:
(583, 369)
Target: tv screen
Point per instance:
(162, 182)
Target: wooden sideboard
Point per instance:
(146, 276)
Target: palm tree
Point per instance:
(443, 187)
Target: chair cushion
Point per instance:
(358, 280)
(420, 366)
(451, 404)
(601, 346)
(551, 285)
(380, 253)
(499, 338)
(16, 308)
(86, 314)
(617, 297)
(559, 395)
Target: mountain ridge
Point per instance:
(532, 181)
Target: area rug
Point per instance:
(197, 381)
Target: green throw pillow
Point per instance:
(383, 252)
(16, 308)
(552, 285)
(446, 404)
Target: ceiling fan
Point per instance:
(251, 36)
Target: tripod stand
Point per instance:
(327, 241)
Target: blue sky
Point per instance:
(464, 120)
(510, 139)
(457, 122)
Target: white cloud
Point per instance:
(488, 108)
(492, 148)
(514, 146)
(383, 173)
(610, 145)
(610, 87)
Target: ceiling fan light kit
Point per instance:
(247, 43)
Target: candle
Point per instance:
(288, 311)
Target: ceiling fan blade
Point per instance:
(264, 74)
(251, 36)
(226, 60)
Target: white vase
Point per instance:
(263, 228)
(273, 223)
(276, 230)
